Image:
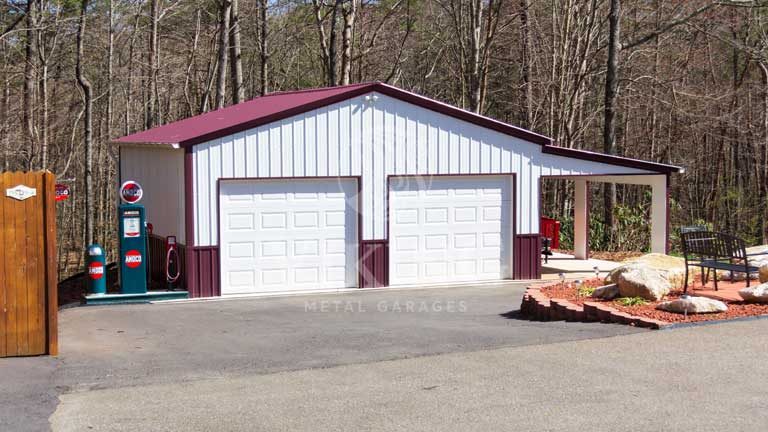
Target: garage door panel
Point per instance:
(449, 229)
(290, 235)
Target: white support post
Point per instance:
(659, 214)
(581, 220)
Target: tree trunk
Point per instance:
(263, 49)
(764, 198)
(153, 104)
(85, 85)
(238, 92)
(332, 79)
(609, 125)
(476, 19)
(346, 41)
(221, 77)
(525, 41)
(30, 66)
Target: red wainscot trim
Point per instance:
(203, 274)
(374, 263)
(527, 256)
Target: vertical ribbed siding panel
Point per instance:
(527, 256)
(375, 265)
(379, 164)
(364, 161)
(310, 146)
(331, 130)
(205, 281)
(345, 142)
(320, 138)
(202, 194)
(375, 140)
(297, 144)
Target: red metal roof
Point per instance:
(191, 129)
(281, 105)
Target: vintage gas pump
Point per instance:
(133, 240)
(172, 267)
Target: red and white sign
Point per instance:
(96, 270)
(131, 192)
(132, 258)
(62, 192)
(131, 227)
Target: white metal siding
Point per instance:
(160, 172)
(375, 140)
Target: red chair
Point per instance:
(550, 228)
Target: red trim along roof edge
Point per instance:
(612, 160)
(266, 109)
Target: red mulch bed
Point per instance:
(735, 309)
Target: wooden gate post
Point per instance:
(28, 279)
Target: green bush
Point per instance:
(632, 301)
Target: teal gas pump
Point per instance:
(133, 240)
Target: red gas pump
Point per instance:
(172, 267)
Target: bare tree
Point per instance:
(30, 68)
(263, 48)
(221, 77)
(85, 86)
(235, 57)
(348, 11)
(152, 117)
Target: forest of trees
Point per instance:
(675, 81)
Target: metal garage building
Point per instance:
(358, 186)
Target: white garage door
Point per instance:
(449, 229)
(282, 235)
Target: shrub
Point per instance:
(632, 301)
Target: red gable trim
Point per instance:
(461, 114)
(612, 160)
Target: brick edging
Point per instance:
(538, 306)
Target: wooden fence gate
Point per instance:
(28, 279)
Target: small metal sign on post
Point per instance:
(62, 192)
(20, 192)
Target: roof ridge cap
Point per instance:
(316, 89)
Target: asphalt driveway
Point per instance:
(129, 345)
(114, 347)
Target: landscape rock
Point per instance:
(693, 305)
(757, 294)
(639, 280)
(672, 268)
(764, 273)
(759, 261)
(607, 292)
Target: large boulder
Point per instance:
(755, 294)
(760, 262)
(693, 305)
(639, 280)
(607, 292)
(672, 268)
